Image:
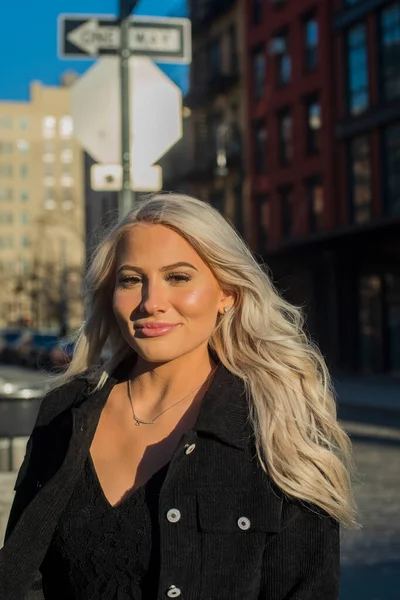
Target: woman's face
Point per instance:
(186, 297)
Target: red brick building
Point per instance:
(323, 97)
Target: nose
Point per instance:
(153, 297)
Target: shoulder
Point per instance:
(61, 398)
(307, 519)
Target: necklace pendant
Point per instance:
(137, 423)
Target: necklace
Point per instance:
(142, 422)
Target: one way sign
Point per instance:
(89, 36)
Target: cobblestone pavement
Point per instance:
(370, 556)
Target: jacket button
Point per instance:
(244, 523)
(173, 516)
(189, 449)
(173, 592)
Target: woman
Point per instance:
(204, 460)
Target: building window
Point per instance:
(6, 170)
(24, 218)
(23, 146)
(6, 218)
(66, 194)
(392, 169)
(48, 127)
(390, 51)
(67, 199)
(49, 147)
(23, 123)
(314, 123)
(23, 171)
(6, 147)
(214, 58)
(66, 127)
(6, 123)
(286, 203)
(257, 11)
(49, 199)
(315, 198)
(357, 69)
(66, 168)
(260, 147)
(259, 72)
(48, 158)
(279, 47)
(24, 195)
(361, 195)
(370, 323)
(265, 220)
(25, 241)
(66, 156)
(311, 44)
(48, 169)
(285, 127)
(6, 194)
(233, 44)
(6, 242)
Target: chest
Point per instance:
(125, 455)
(214, 511)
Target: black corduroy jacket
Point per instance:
(238, 536)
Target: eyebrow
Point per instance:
(166, 268)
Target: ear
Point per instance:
(226, 299)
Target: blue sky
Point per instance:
(28, 40)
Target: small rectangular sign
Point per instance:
(90, 36)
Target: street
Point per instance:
(371, 556)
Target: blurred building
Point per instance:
(42, 232)
(208, 162)
(367, 169)
(324, 139)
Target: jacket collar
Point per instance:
(224, 411)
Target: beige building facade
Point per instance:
(42, 229)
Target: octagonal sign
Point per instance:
(156, 112)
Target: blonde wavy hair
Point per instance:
(299, 441)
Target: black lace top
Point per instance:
(100, 552)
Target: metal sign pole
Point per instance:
(126, 196)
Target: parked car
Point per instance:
(27, 347)
(12, 341)
(61, 355)
(41, 347)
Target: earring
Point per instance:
(227, 309)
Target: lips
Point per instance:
(155, 329)
(155, 325)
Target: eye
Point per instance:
(178, 277)
(128, 281)
(131, 280)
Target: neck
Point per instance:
(158, 385)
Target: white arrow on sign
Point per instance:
(91, 37)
